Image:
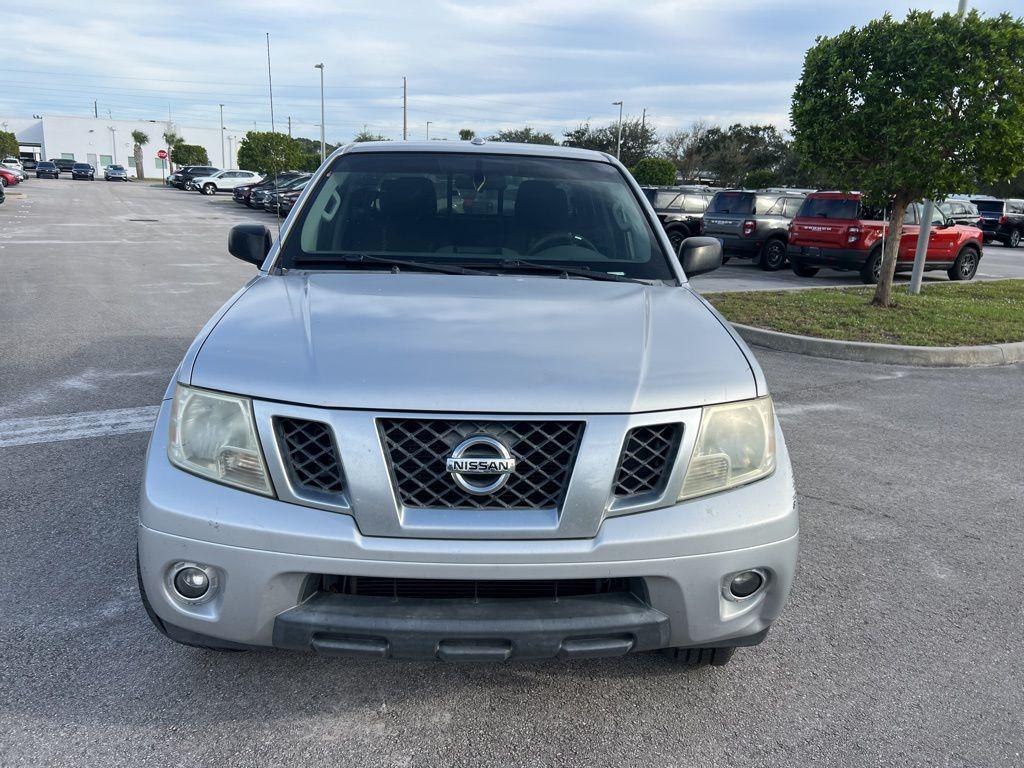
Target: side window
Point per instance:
(67, 155)
(938, 217)
(910, 217)
(775, 209)
(791, 206)
(1017, 206)
(695, 204)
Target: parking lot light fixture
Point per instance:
(618, 141)
(223, 157)
(323, 130)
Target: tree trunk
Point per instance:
(140, 172)
(883, 290)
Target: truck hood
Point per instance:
(501, 344)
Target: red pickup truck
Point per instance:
(837, 230)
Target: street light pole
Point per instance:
(428, 129)
(113, 141)
(223, 157)
(618, 142)
(323, 129)
(231, 151)
(924, 231)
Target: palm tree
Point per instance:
(172, 141)
(139, 138)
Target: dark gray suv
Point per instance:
(753, 224)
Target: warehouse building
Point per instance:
(104, 142)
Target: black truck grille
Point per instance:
(462, 589)
(310, 455)
(647, 458)
(544, 451)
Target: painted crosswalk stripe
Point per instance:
(76, 426)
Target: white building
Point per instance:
(103, 142)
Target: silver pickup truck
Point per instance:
(469, 408)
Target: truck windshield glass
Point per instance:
(489, 211)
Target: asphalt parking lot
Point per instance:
(901, 645)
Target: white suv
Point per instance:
(223, 181)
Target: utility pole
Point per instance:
(95, 108)
(113, 141)
(428, 129)
(231, 151)
(289, 126)
(924, 231)
(323, 128)
(618, 142)
(643, 120)
(223, 157)
(270, 85)
(405, 110)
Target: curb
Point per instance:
(893, 354)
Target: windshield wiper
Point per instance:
(355, 258)
(513, 264)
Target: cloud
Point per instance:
(470, 63)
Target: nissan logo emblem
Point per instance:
(480, 465)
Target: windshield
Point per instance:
(484, 210)
(117, 167)
(829, 208)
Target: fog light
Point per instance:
(745, 584)
(192, 583)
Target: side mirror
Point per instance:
(699, 255)
(250, 242)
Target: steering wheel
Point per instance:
(568, 238)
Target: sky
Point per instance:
(475, 64)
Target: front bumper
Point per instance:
(266, 553)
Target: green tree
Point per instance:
(639, 139)
(189, 154)
(735, 153)
(365, 135)
(310, 153)
(913, 109)
(466, 134)
(140, 139)
(524, 135)
(8, 144)
(269, 152)
(681, 148)
(172, 140)
(655, 171)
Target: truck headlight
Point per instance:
(735, 445)
(214, 436)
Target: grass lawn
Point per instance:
(944, 315)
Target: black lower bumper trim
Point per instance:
(468, 630)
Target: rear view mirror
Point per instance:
(699, 255)
(250, 242)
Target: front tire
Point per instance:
(773, 255)
(209, 189)
(700, 657)
(871, 272)
(966, 265)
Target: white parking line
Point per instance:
(75, 426)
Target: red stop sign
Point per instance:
(162, 154)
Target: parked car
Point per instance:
(223, 181)
(837, 230)
(115, 173)
(189, 172)
(63, 164)
(9, 177)
(752, 224)
(12, 162)
(960, 211)
(352, 460)
(19, 172)
(275, 201)
(679, 209)
(1001, 220)
(245, 196)
(283, 200)
(47, 168)
(83, 171)
(28, 163)
(3, 195)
